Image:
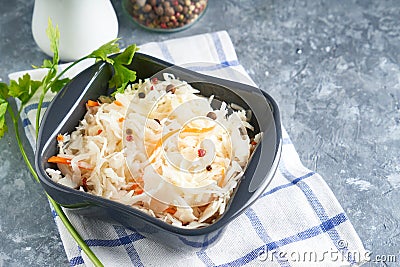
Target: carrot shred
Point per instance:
(99, 131)
(170, 210)
(61, 160)
(161, 141)
(60, 137)
(121, 119)
(196, 130)
(92, 103)
(135, 186)
(221, 181)
(116, 102)
(138, 191)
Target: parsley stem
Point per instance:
(46, 87)
(67, 69)
(21, 147)
(71, 229)
(64, 219)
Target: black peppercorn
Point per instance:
(212, 115)
(170, 88)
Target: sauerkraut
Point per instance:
(159, 147)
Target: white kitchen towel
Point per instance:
(296, 222)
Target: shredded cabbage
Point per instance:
(159, 147)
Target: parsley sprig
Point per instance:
(25, 88)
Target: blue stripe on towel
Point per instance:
(121, 241)
(128, 241)
(34, 106)
(259, 229)
(286, 141)
(26, 122)
(318, 208)
(76, 261)
(295, 181)
(218, 47)
(124, 239)
(202, 255)
(309, 233)
(165, 52)
(214, 67)
(53, 213)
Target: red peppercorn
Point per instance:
(154, 80)
(129, 138)
(201, 152)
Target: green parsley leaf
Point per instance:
(125, 58)
(47, 64)
(54, 36)
(3, 110)
(103, 51)
(24, 89)
(3, 91)
(59, 84)
(123, 75)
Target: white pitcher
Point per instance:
(84, 25)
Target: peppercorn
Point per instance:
(170, 88)
(201, 152)
(169, 11)
(208, 168)
(159, 10)
(164, 19)
(141, 95)
(146, 8)
(179, 8)
(212, 115)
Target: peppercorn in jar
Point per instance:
(165, 15)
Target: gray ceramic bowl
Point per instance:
(68, 108)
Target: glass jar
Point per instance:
(165, 15)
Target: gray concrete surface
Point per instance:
(333, 67)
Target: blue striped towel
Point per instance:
(296, 222)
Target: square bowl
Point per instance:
(68, 108)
